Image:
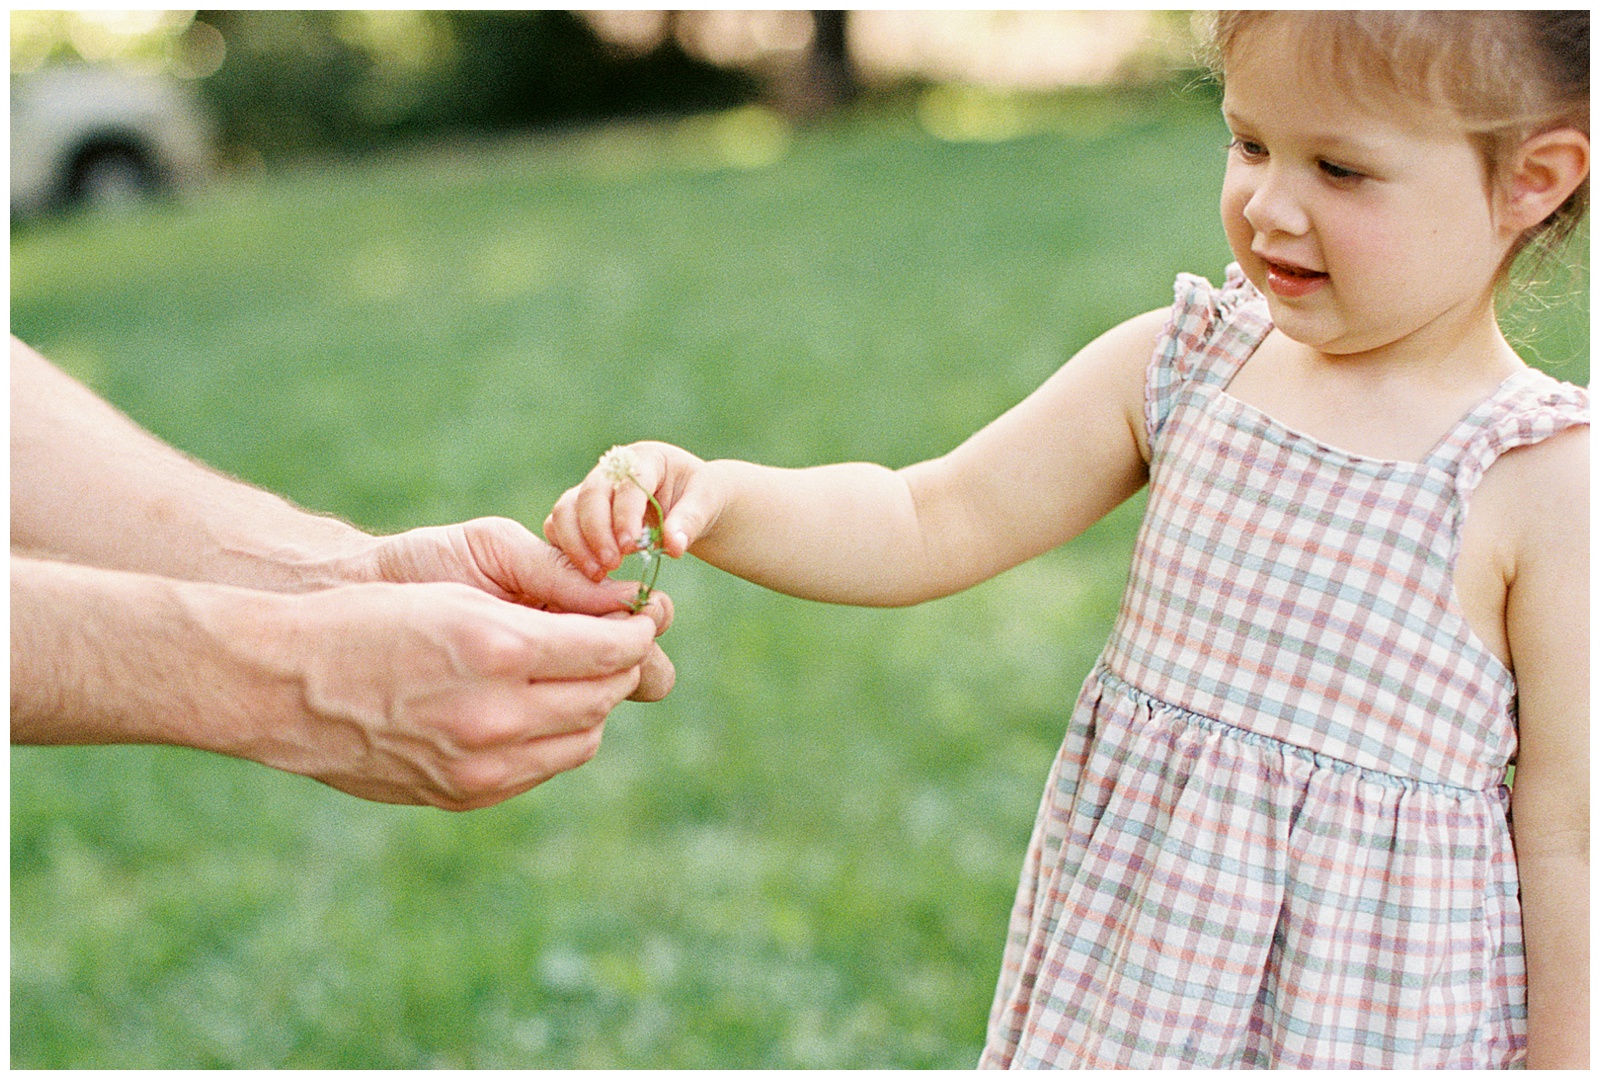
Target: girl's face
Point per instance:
(1365, 227)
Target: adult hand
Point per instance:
(168, 603)
(441, 694)
(505, 560)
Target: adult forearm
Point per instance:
(90, 486)
(106, 656)
(114, 656)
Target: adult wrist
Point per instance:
(309, 552)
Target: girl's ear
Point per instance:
(1547, 168)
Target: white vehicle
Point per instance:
(84, 135)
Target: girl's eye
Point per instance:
(1250, 151)
(1337, 172)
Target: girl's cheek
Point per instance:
(1240, 235)
(1358, 241)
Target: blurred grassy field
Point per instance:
(804, 857)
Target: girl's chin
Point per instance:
(1297, 325)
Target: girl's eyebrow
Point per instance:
(1332, 141)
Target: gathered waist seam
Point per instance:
(1255, 738)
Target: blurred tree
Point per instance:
(820, 77)
(831, 74)
(520, 68)
(296, 80)
(288, 82)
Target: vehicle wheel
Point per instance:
(111, 176)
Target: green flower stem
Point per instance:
(653, 550)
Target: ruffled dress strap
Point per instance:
(1209, 335)
(1529, 407)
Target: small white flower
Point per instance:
(619, 467)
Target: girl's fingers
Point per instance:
(655, 476)
(598, 522)
(560, 531)
(627, 516)
(681, 529)
(564, 529)
(593, 512)
(689, 517)
(630, 503)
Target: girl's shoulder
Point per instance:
(1210, 332)
(1528, 485)
(1201, 308)
(1530, 409)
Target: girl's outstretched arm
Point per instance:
(864, 534)
(1547, 625)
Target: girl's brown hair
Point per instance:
(1507, 75)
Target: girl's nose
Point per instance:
(1274, 208)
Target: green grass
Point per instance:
(806, 855)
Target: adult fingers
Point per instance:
(491, 727)
(489, 778)
(656, 677)
(523, 567)
(540, 575)
(659, 607)
(563, 707)
(554, 646)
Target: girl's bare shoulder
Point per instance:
(1537, 497)
(1124, 354)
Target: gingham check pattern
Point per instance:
(1276, 834)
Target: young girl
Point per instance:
(1278, 832)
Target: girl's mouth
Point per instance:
(1293, 281)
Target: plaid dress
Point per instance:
(1276, 834)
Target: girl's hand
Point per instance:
(600, 521)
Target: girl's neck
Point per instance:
(1457, 349)
(1392, 403)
